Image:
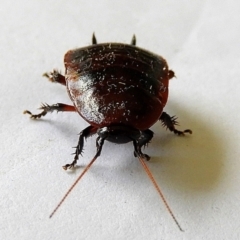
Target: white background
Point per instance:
(199, 174)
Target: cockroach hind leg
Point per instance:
(170, 123)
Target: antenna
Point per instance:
(73, 185)
(147, 170)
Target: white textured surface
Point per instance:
(199, 175)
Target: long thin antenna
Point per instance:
(74, 184)
(147, 170)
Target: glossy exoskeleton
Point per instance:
(119, 89)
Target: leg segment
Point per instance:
(87, 132)
(138, 151)
(55, 77)
(99, 143)
(170, 122)
(142, 141)
(59, 107)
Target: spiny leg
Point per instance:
(100, 142)
(138, 151)
(55, 77)
(87, 132)
(59, 107)
(94, 40)
(142, 141)
(170, 122)
(134, 40)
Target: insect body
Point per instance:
(120, 90)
